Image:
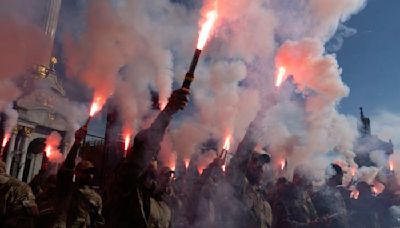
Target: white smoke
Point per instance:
(130, 46)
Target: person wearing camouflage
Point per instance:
(17, 202)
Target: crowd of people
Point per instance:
(144, 193)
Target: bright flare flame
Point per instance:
(5, 140)
(280, 76)
(206, 27)
(391, 166)
(378, 188)
(48, 151)
(200, 170)
(283, 164)
(227, 143)
(187, 162)
(223, 167)
(96, 106)
(127, 141)
(162, 105)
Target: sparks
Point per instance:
(5, 140)
(280, 76)
(206, 27)
(227, 143)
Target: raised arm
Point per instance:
(147, 142)
(66, 172)
(238, 164)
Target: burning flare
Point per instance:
(391, 165)
(283, 164)
(280, 76)
(223, 167)
(206, 27)
(48, 151)
(127, 141)
(5, 140)
(227, 143)
(354, 194)
(187, 162)
(96, 106)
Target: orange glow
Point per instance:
(162, 105)
(353, 172)
(354, 194)
(227, 143)
(378, 188)
(280, 76)
(127, 141)
(48, 151)
(96, 106)
(206, 27)
(187, 162)
(391, 166)
(283, 164)
(5, 140)
(200, 170)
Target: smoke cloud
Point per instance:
(52, 147)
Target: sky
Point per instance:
(369, 60)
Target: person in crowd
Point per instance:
(244, 174)
(364, 208)
(46, 202)
(328, 201)
(17, 202)
(133, 198)
(77, 203)
(292, 205)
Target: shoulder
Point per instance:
(91, 195)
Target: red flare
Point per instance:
(162, 105)
(127, 141)
(227, 143)
(354, 194)
(283, 164)
(207, 26)
(96, 105)
(280, 76)
(378, 188)
(223, 167)
(200, 170)
(187, 162)
(5, 140)
(48, 151)
(391, 166)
